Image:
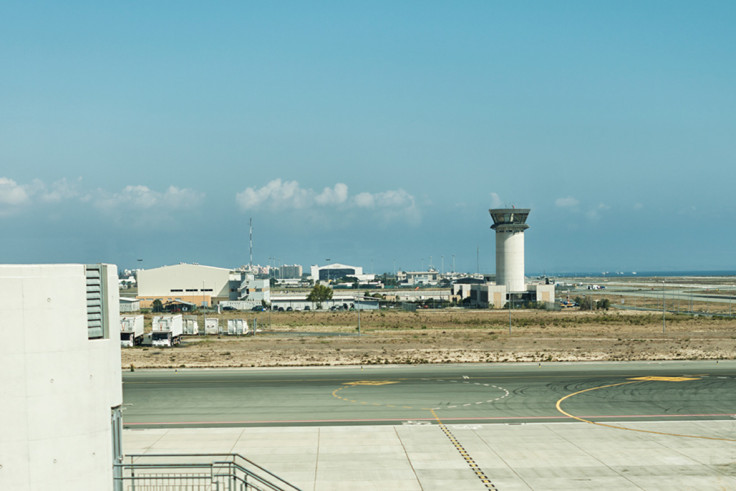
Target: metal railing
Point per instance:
(195, 472)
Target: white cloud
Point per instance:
(11, 193)
(595, 213)
(386, 199)
(333, 196)
(275, 195)
(365, 200)
(390, 205)
(568, 202)
(496, 201)
(279, 195)
(58, 191)
(13, 196)
(141, 197)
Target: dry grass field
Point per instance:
(448, 336)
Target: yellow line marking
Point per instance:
(663, 379)
(463, 453)
(632, 381)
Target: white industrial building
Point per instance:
(336, 271)
(288, 272)
(298, 301)
(201, 285)
(412, 278)
(510, 285)
(129, 304)
(60, 377)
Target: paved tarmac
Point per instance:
(537, 456)
(562, 426)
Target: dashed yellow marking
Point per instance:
(634, 380)
(464, 453)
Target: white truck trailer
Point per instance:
(167, 330)
(191, 326)
(131, 330)
(211, 326)
(237, 327)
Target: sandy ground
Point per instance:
(447, 336)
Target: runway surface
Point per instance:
(485, 393)
(463, 427)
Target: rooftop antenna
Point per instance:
(251, 244)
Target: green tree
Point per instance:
(319, 294)
(586, 303)
(157, 306)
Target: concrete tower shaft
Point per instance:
(509, 224)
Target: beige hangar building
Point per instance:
(200, 285)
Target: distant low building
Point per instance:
(128, 304)
(288, 272)
(411, 278)
(336, 271)
(347, 301)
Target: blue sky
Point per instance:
(371, 133)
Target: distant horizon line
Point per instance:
(563, 274)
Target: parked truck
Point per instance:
(167, 330)
(237, 327)
(191, 326)
(131, 330)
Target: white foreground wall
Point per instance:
(57, 386)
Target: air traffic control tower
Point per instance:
(509, 224)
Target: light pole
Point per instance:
(511, 306)
(204, 313)
(663, 309)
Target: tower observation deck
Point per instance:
(509, 224)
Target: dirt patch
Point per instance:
(448, 336)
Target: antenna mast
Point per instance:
(251, 243)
